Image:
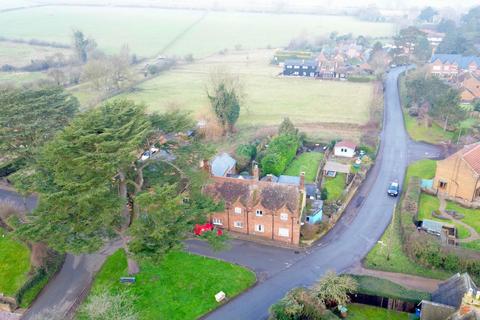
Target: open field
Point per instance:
(330, 108)
(14, 264)
(150, 31)
(364, 312)
(19, 54)
(307, 162)
(21, 77)
(182, 286)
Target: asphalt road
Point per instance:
(278, 270)
(362, 224)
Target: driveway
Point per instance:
(362, 224)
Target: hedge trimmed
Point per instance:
(425, 249)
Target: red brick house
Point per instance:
(265, 209)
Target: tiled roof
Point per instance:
(471, 155)
(346, 144)
(270, 195)
(462, 61)
(451, 291)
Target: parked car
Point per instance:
(393, 189)
(201, 228)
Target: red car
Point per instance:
(201, 228)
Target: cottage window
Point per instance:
(259, 213)
(238, 210)
(289, 67)
(442, 184)
(305, 67)
(284, 216)
(296, 67)
(238, 224)
(283, 232)
(259, 228)
(217, 221)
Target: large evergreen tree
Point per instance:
(89, 177)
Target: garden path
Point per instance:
(473, 233)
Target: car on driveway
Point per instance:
(393, 189)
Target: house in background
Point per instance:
(469, 88)
(300, 67)
(270, 208)
(345, 148)
(223, 165)
(458, 176)
(451, 65)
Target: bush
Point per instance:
(324, 194)
(281, 151)
(359, 79)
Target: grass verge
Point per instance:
(182, 286)
(14, 264)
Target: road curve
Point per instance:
(362, 224)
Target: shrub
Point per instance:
(281, 151)
(324, 194)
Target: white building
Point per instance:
(345, 148)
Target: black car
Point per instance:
(393, 189)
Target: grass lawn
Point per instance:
(181, 287)
(386, 288)
(429, 203)
(21, 77)
(335, 186)
(472, 216)
(314, 106)
(473, 245)
(398, 261)
(419, 132)
(14, 264)
(307, 162)
(150, 31)
(19, 55)
(424, 169)
(364, 312)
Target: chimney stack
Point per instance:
(302, 180)
(256, 172)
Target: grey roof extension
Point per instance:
(222, 164)
(451, 291)
(289, 180)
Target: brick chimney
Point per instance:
(302, 180)
(205, 165)
(256, 172)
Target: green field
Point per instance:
(19, 55)
(364, 312)
(14, 264)
(149, 31)
(21, 77)
(307, 162)
(182, 286)
(268, 98)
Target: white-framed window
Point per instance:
(283, 232)
(260, 228)
(217, 221)
(238, 224)
(238, 210)
(259, 213)
(296, 67)
(289, 67)
(305, 67)
(284, 216)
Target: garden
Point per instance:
(307, 162)
(181, 286)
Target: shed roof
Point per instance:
(432, 226)
(289, 180)
(346, 144)
(221, 164)
(336, 167)
(451, 291)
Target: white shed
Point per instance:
(345, 148)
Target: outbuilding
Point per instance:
(345, 148)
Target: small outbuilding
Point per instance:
(345, 148)
(223, 165)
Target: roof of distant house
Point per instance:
(301, 62)
(451, 291)
(222, 164)
(346, 144)
(462, 61)
(293, 180)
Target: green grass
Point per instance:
(335, 186)
(472, 216)
(429, 203)
(473, 245)
(21, 77)
(307, 162)
(424, 169)
(149, 31)
(389, 256)
(420, 132)
(385, 288)
(14, 264)
(32, 293)
(182, 286)
(19, 54)
(364, 312)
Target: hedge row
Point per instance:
(425, 249)
(53, 263)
